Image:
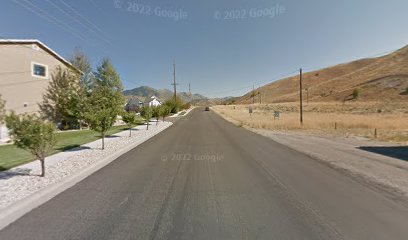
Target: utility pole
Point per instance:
(307, 95)
(174, 80)
(301, 98)
(295, 97)
(253, 94)
(260, 97)
(189, 89)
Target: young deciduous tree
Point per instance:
(165, 111)
(105, 101)
(130, 119)
(62, 99)
(103, 110)
(146, 113)
(33, 134)
(156, 113)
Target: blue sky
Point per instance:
(218, 56)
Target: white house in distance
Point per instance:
(25, 72)
(154, 102)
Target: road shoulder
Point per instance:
(380, 172)
(23, 190)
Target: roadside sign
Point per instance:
(276, 115)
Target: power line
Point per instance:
(78, 21)
(51, 19)
(41, 13)
(81, 16)
(290, 75)
(19, 83)
(37, 42)
(96, 5)
(248, 87)
(13, 73)
(231, 90)
(381, 54)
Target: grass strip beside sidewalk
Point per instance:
(11, 156)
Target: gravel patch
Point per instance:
(388, 173)
(23, 181)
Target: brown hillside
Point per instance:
(378, 79)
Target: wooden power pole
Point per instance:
(174, 81)
(301, 98)
(260, 96)
(253, 94)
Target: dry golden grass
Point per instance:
(381, 78)
(354, 119)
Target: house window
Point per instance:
(39, 70)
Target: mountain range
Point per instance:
(144, 93)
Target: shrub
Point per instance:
(186, 106)
(33, 134)
(174, 104)
(356, 93)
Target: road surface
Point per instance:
(204, 178)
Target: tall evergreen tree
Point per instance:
(106, 75)
(62, 98)
(81, 62)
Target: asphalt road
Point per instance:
(204, 178)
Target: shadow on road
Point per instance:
(399, 152)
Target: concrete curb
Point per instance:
(23, 206)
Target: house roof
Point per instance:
(153, 98)
(41, 45)
(133, 101)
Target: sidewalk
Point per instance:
(178, 114)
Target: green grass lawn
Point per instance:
(11, 156)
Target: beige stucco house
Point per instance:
(25, 72)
